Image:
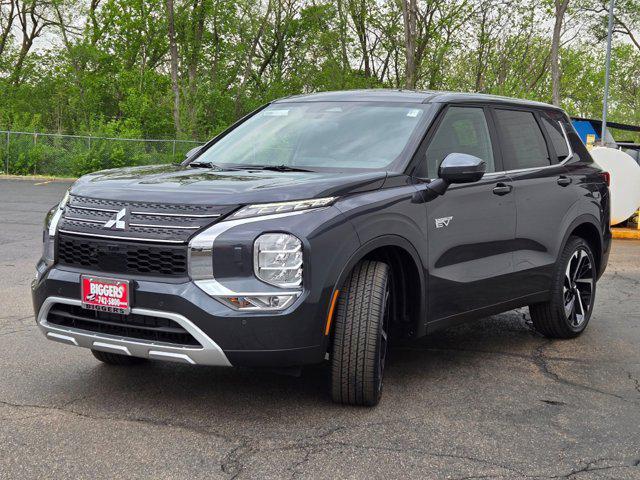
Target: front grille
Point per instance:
(139, 221)
(141, 327)
(122, 257)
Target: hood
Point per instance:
(185, 185)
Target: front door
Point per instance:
(471, 228)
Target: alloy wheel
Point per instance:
(578, 288)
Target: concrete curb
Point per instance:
(31, 178)
(628, 233)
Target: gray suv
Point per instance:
(327, 226)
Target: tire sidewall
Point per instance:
(379, 372)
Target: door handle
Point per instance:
(564, 181)
(502, 189)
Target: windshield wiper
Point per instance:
(205, 165)
(279, 168)
(215, 165)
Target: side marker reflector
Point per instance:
(334, 299)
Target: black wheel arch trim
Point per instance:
(583, 219)
(391, 240)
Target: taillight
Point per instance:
(606, 176)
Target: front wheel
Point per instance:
(573, 292)
(359, 351)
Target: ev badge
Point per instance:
(443, 222)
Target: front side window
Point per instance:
(340, 135)
(524, 145)
(462, 130)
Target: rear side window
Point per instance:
(524, 144)
(462, 130)
(558, 140)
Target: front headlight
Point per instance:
(277, 259)
(51, 229)
(260, 209)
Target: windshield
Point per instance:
(342, 135)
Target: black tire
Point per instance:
(116, 359)
(360, 335)
(571, 293)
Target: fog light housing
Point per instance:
(277, 259)
(259, 302)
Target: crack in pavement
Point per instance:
(295, 467)
(541, 362)
(589, 466)
(233, 462)
(195, 429)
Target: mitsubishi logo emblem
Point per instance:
(118, 221)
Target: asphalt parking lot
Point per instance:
(487, 400)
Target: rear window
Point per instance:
(557, 137)
(522, 139)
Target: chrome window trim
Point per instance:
(209, 352)
(566, 139)
(531, 169)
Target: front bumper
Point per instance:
(225, 337)
(209, 353)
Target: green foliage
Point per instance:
(104, 68)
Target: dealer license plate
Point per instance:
(105, 294)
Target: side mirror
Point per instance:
(455, 168)
(192, 152)
(461, 168)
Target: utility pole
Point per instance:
(606, 75)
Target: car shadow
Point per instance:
(165, 389)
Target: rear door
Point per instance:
(534, 150)
(471, 227)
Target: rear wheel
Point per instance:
(116, 359)
(573, 292)
(360, 339)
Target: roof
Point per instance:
(408, 96)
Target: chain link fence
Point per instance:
(27, 153)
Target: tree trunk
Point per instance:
(173, 50)
(6, 29)
(343, 36)
(409, 11)
(249, 61)
(358, 11)
(199, 14)
(560, 8)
